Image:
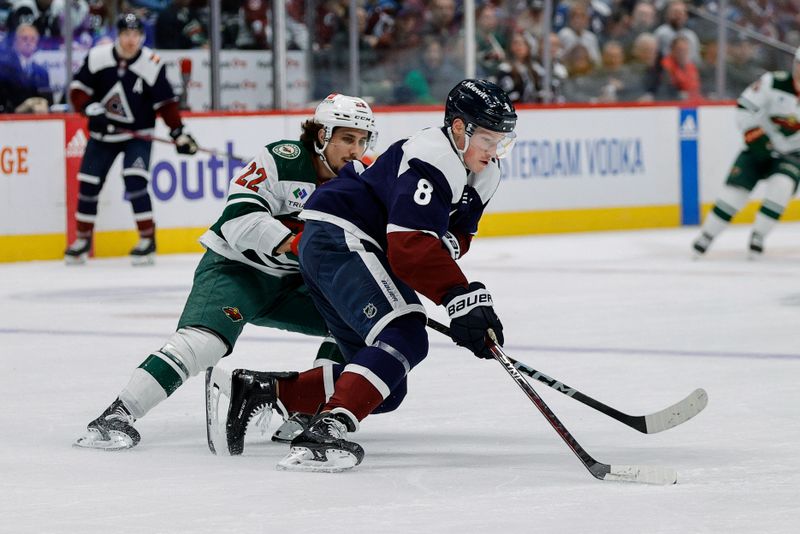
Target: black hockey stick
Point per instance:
(623, 473)
(149, 137)
(669, 417)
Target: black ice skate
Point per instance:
(144, 253)
(291, 428)
(78, 251)
(756, 245)
(112, 431)
(701, 244)
(323, 446)
(251, 393)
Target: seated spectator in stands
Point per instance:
(620, 83)
(404, 42)
(681, 80)
(431, 80)
(643, 17)
(558, 71)
(489, 40)
(675, 18)
(618, 28)
(24, 84)
(443, 21)
(741, 67)
(644, 65)
(256, 30)
(41, 15)
(530, 20)
(180, 27)
(577, 32)
(517, 75)
(580, 85)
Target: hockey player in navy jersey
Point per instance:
(120, 88)
(246, 275)
(373, 238)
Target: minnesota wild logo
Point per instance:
(233, 313)
(286, 150)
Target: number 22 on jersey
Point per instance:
(252, 184)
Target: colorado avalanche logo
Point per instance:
(233, 313)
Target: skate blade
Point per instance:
(218, 385)
(143, 261)
(76, 260)
(302, 459)
(118, 442)
(287, 432)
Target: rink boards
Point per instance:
(573, 169)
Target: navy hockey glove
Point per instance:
(98, 122)
(184, 143)
(471, 316)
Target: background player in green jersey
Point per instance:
(247, 274)
(768, 112)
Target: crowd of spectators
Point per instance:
(412, 51)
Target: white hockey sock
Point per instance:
(730, 201)
(142, 393)
(780, 189)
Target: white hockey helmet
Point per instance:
(347, 111)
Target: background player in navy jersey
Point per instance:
(372, 238)
(246, 275)
(120, 88)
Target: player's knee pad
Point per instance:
(779, 191)
(393, 401)
(405, 339)
(193, 350)
(89, 191)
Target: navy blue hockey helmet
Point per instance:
(480, 103)
(130, 21)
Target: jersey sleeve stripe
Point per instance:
(397, 228)
(163, 103)
(238, 198)
(76, 84)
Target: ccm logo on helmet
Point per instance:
(481, 299)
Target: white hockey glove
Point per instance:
(98, 122)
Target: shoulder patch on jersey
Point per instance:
(145, 67)
(286, 150)
(101, 57)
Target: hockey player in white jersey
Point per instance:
(248, 273)
(768, 112)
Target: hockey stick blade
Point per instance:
(644, 474)
(601, 471)
(669, 417)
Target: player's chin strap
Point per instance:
(455, 145)
(321, 153)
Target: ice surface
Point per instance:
(626, 317)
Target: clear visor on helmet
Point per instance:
(499, 144)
